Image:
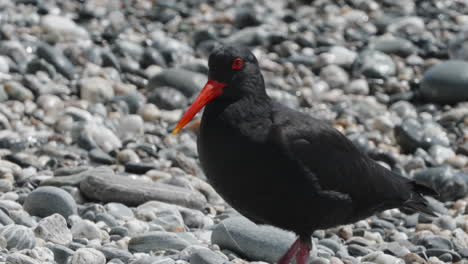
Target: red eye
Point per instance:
(237, 64)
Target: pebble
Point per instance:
(86, 229)
(61, 27)
(375, 64)
(264, 243)
(168, 98)
(62, 254)
(187, 82)
(54, 229)
(96, 89)
(57, 59)
(335, 76)
(445, 83)
(157, 240)
(18, 236)
(116, 253)
(113, 188)
(88, 256)
(450, 185)
(119, 211)
(381, 258)
(48, 200)
(206, 256)
(20, 259)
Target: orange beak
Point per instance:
(211, 90)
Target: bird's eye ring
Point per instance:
(237, 64)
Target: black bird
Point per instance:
(284, 168)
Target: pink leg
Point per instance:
(302, 256)
(288, 256)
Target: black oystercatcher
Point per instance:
(284, 168)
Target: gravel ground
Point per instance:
(90, 90)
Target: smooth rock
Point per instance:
(335, 76)
(157, 240)
(381, 258)
(116, 253)
(206, 256)
(187, 82)
(48, 200)
(18, 258)
(57, 59)
(16, 91)
(63, 28)
(62, 254)
(446, 83)
(99, 156)
(449, 184)
(167, 98)
(113, 188)
(263, 243)
(375, 64)
(18, 236)
(397, 46)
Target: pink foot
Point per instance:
(288, 256)
(300, 249)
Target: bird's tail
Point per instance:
(417, 201)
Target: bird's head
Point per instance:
(233, 72)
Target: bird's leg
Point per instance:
(305, 245)
(288, 256)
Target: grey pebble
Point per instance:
(86, 229)
(375, 64)
(119, 211)
(116, 253)
(54, 229)
(17, 236)
(113, 188)
(88, 256)
(57, 59)
(206, 256)
(99, 156)
(157, 240)
(18, 258)
(446, 82)
(62, 254)
(48, 200)
(185, 81)
(96, 89)
(263, 243)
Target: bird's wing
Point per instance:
(329, 158)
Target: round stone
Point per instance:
(48, 200)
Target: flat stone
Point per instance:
(185, 81)
(116, 253)
(131, 192)
(74, 179)
(206, 256)
(157, 240)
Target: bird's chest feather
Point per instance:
(234, 151)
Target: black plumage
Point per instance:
(281, 167)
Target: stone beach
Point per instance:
(90, 91)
